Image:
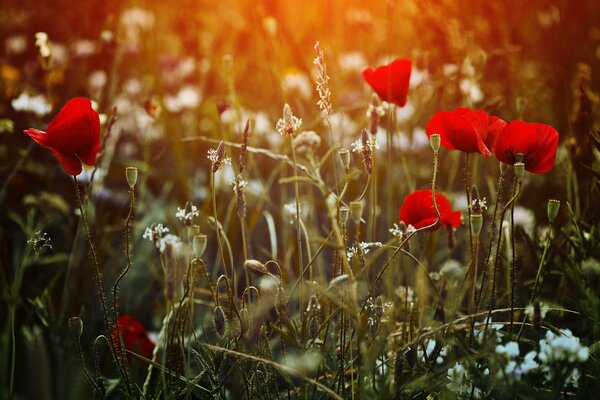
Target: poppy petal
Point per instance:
(70, 163)
(390, 81)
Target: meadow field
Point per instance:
(275, 199)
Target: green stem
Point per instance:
(298, 233)
(99, 285)
(120, 347)
(537, 276)
(516, 191)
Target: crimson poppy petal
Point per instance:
(418, 210)
(536, 142)
(545, 153)
(390, 81)
(70, 163)
(72, 136)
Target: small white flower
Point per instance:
(37, 105)
(511, 349)
(357, 145)
(182, 215)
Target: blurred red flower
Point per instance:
(134, 336)
(536, 142)
(417, 210)
(471, 131)
(73, 136)
(390, 81)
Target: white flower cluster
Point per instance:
(37, 105)
(530, 310)
(559, 354)
(461, 383)
(357, 145)
(290, 210)
(364, 247)
(160, 238)
(213, 156)
(397, 232)
(183, 215)
(493, 330)
(429, 349)
(514, 368)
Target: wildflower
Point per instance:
(418, 210)
(290, 210)
(530, 310)
(306, 142)
(73, 136)
(134, 336)
(41, 41)
(534, 144)
(295, 82)
(390, 81)
(155, 234)
(365, 248)
(40, 240)
(563, 347)
(187, 98)
(357, 145)
(187, 214)
(217, 157)
(471, 131)
(37, 105)
(461, 383)
(367, 151)
(324, 102)
(288, 124)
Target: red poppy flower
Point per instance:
(417, 210)
(471, 131)
(134, 336)
(390, 81)
(73, 136)
(536, 142)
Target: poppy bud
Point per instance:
(75, 326)
(344, 154)
(435, 142)
(338, 281)
(131, 173)
(344, 213)
(199, 245)
(256, 267)
(281, 300)
(244, 320)
(476, 223)
(356, 210)
(553, 207)
(519, 170)
(220, 322)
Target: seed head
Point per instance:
(220, 322)
(131, 173)
(288, 124)
(367, 151)
(553, 208)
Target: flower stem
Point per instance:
(537, 276)
(99, 285)
(120, 345)
(491, 240)
(298, 233)
(516, 192)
